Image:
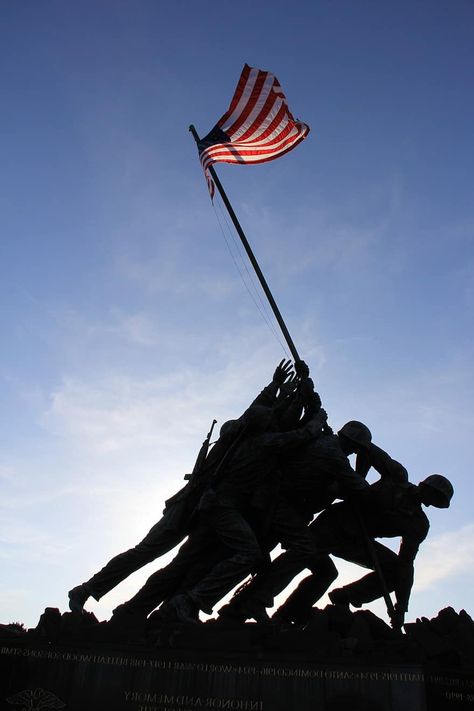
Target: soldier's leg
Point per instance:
(159, 540)
(290, 528)
(329, 530)
(298, 606)
(369, 587)
(193, 561)
(236, 534)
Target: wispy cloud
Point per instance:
(445, 556)
(118, 411)
(7, 474)
(322, 243)
(29, 541)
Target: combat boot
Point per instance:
(78, 597)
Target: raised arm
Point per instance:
(388, 468)
(268, 396)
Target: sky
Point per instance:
(126, 324)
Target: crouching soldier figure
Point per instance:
(391, 507)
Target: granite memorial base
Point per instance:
(243, 669)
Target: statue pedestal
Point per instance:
(339, 662)
(102, 677)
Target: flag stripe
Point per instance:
(251, 160)
(238, 93)
(235, 154)
(277, 122)
(257, 127)
(252, 100)
(266, 116)
(231, 155)
(244, 90)
(270, 146)
(215, 153)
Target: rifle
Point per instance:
(375, 562)
(201, 455)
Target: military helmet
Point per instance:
(357, 432)
(442, 486)
(227, 427)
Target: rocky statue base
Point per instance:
(340, 661)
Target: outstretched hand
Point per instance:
(283, 371)
(290, 386)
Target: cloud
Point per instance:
(120, 412)
(344, 235)
(159, 248)
(30, 541)
(113, 410)
(14, 597)
(445, 556)
(140, 329)
(7, 474)
(322, 243)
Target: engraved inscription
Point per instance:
(35, 700)
(155, 701)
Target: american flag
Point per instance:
(257, 127)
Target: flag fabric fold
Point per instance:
(257, 127)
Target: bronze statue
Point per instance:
(392, 507)
(177, 515)
(313, 476)
(261, 484)
(225, 545)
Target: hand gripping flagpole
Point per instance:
(251, 256)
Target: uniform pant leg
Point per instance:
(369, 587)
(236, 534)
(192, 562)
(159, 540)
(290, 528)
(329, 530)
(338, 530)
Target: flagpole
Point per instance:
(251, 256)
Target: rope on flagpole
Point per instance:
(256, 295)
(239, 250)
(251, 257)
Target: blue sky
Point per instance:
(127, 327)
